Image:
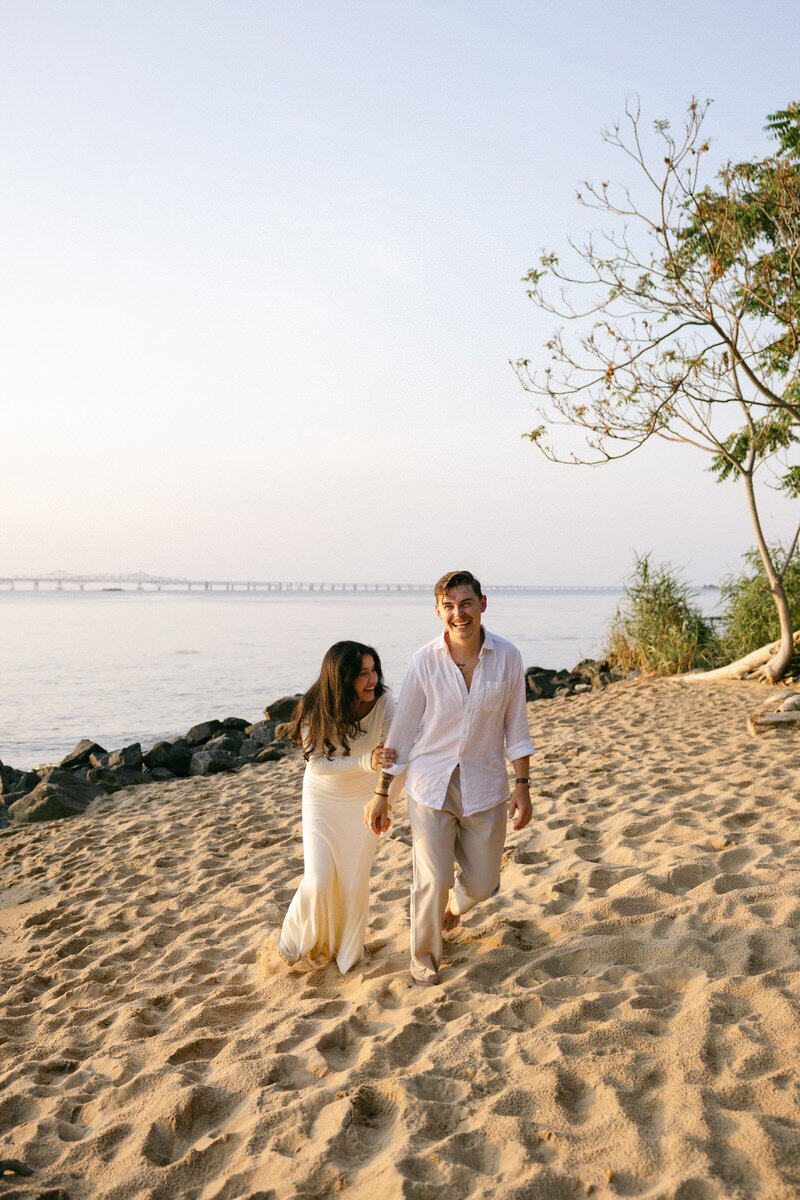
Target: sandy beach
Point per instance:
(622, 1020)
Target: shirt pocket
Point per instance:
(493, 696)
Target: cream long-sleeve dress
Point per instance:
(327, 918)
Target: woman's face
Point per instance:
(366, 681)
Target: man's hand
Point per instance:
(520, 806)
(376, 814)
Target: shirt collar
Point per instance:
(488, 641)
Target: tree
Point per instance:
(686, 320)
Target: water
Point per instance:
(135, 666)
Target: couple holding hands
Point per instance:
(461, 711)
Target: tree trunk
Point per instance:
(775, 668)
(744, 668)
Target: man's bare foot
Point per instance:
(450, 920)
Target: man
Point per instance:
(461, 704)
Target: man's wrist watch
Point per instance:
(523, 779)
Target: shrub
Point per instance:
(658, 629)
(749, 618)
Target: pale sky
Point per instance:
(261, 271)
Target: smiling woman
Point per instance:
(365, 685)
(340, 724)
(329, 714)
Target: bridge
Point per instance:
(139, 581)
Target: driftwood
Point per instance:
(742, 667)
(760, 722)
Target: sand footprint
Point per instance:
(365, 1128)
(573, 1095)
(408, 1043)
(340, 1046)
(200, 1050)
(472, 1150)
(494, 1045)
(428, 1085)
(194, 1114)
(288, 1073)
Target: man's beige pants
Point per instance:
(440, 837)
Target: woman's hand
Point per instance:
(381, 758)
(376, 814)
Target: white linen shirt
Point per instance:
(440, 725)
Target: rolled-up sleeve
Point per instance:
(407, 717)
(517, 731)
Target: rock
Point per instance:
(161, 775)
(4, 818)
(20, 783)
(155, 756)
(283, 709)
(173, 756)
(589, 668)
(226, 743)
(60, 794)
(539, 686)
(202, 732)
(791, 704)
(9, 778)
(236, 765)
(43, 773)
(272, 753)
(29, 780)
(561, 692)
(249, 748)
(209, 762)
(235, 723)
(129, 757)
(82, 754)
(582, 687)
(282, 731)
(113, 779)
(262, 732)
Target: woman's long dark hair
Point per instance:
(326, 716)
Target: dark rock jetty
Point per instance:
(66, 789)
(543, 684)
(88, 771)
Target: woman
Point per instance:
(340, 723)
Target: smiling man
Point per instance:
(461, 709)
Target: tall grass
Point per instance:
(658, 629)
(749, 618)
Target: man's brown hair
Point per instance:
(457, 579)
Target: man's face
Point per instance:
(460, 609)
